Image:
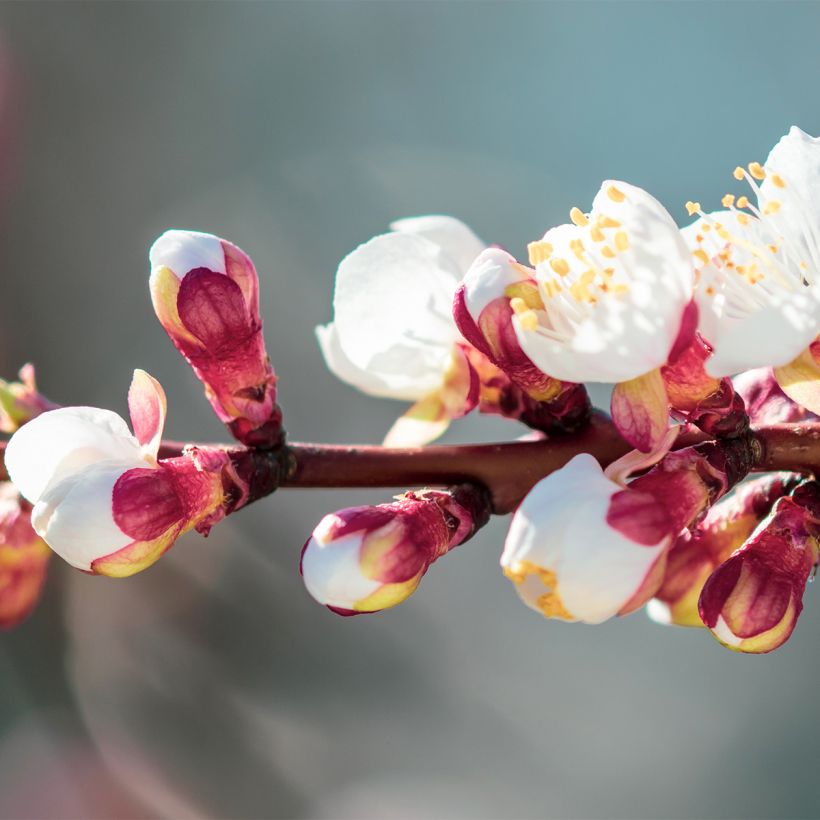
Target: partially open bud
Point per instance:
(752, 601)
(20, 402)
(101, 499)
(583, 548)
(206, 295)
(493, 290)
(365, 559)
(697, 552)
(23, 559)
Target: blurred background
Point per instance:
(212, 685)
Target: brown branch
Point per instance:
(508, 470)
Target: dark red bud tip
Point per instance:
(346, 613)
(269, 436)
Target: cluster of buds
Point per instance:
(428, 313)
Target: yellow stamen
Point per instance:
(604, 221)
(692, 207)
(756, 170)
(607, 252)
(615, 194)
(596, 234)
(773, 248)
(772, 207)
(738, 173)
(539, 252)
(728, 201)
(777, 181)
(577, 247)
(743, 219)
(528, 320)
(701, 255)
(518, 305)
(743, 202)
(621, 241)
(560, 266)
(578, 218)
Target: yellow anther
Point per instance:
(710, 291)
(738, 173)
(603, 221)
(743, 219)
(518, 305)
(615, 194)
(607, 252)
(728, 201)
(706, 228)
(692, 207)
(621, 241)
(528, 320)
(551, 289)
(743, 202)
(701, 255)
(773, 248)
(560, 266)
(621, 289)
(578, 218)
(577, 247)
(596, 234)
(756, 170)
(527, 292)
(539, 252)
(723, 233)
(777, 181)
(772, 207)
(699, 238)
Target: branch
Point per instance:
(507, 470)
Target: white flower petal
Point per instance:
(332, 572)
(770, 337)
(182, 251)
(796, 159)
(487, 279)
(450, 234)
(74, 516)
(628, 329)
(395, 385)
(561, 527)
(393, 309)
(60, 442)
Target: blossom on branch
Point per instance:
(365, 559)
(101, 498)
(699, 550)
(752, 601)
(758, 285)
(205, 293)
(611, 305)
(24, 559)
(392, 333)
(492, 290)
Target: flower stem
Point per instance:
(508, 470)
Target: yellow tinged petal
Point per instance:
(800, 381)
(640, 410)
(425, 421)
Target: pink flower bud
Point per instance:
(752, 601)
(492, 290)
(206, 295)
(698, 551)
(23, 559)
(365, 559)
(101, 499)
(20, 402)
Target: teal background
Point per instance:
(212, 685)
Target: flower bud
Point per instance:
(20, 402)
(752, 601)
(206, 295)
(101, 499)
(365, 559)
(493, 289)
(583, 548)
(697, 552)
(23, 559)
